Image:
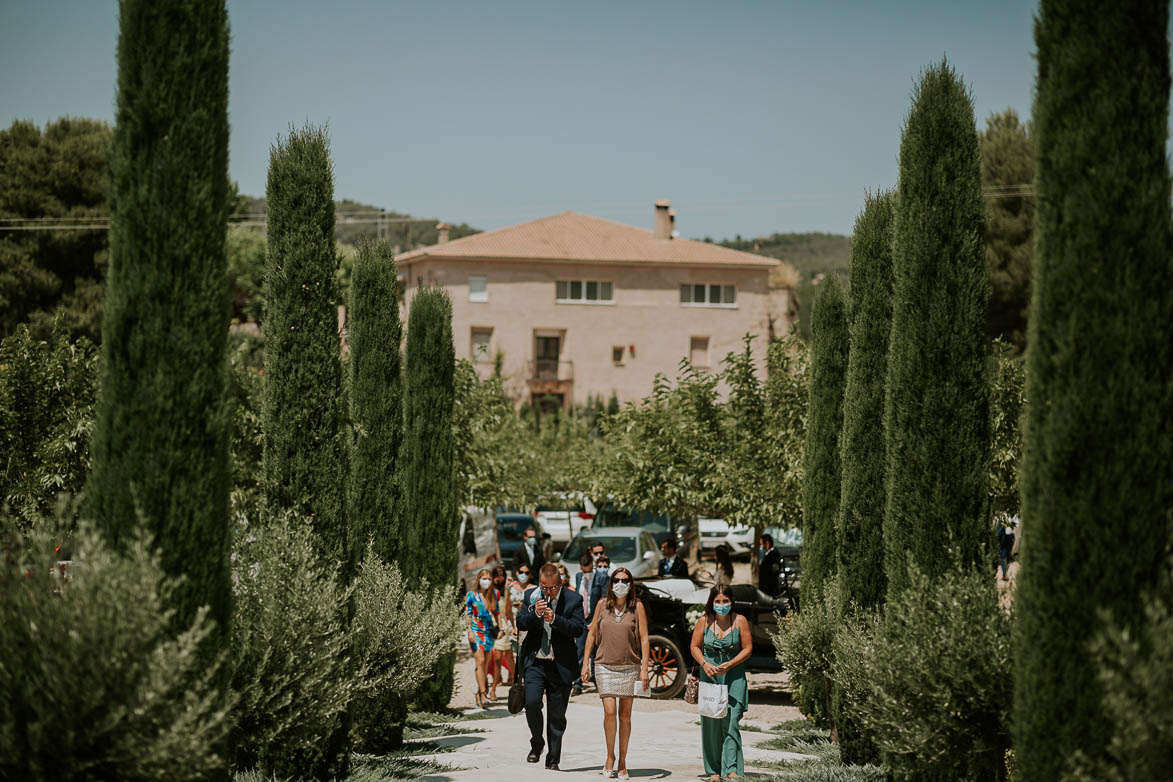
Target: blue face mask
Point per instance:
(723, 609)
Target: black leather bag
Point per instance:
(516, 689)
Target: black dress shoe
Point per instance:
(533, 757)
(552, 767)
(576, 691)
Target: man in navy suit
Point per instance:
(591, 585)
(553, 619)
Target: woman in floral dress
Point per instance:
(480, 605)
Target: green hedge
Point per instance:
(95, 683)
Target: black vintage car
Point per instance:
(671, 633)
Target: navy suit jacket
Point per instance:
(569, 623)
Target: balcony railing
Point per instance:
(551, 370)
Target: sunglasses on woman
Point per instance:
(621, 581)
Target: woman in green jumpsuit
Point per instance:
(721, 644)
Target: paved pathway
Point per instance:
(664, 744)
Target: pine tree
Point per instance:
(1097, 475)
(861, 507)
(160, 447)
(304, 463)
(304, 467)
(821, 473)
(861, 504)
(936, 415)
(431, 521)
(376, 400)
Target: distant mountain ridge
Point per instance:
(355, 220)
(814, 255)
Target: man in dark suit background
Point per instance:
(529, 553)
(770, 567)
(553, 620)
(672, 566)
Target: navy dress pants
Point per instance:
(542, 679)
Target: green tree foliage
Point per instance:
(304, 464)
(861, 507)
(428, 548)
(1007, 403)
(46, 416)
(936, 417)
(1134, 667)
(95, 681)
(246, 249)
(1097, 475)
(1008, 168)
(160, 446)
(822, 476)
(927, 683)
(61, 172)
(373, 333)
(427, 464)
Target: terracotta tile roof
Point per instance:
(570, 236)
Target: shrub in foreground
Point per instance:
(803, 643)
(934, 685)
(94, 683)
(1135, 671)
(851, 646)
(293, 677)
(398, 634)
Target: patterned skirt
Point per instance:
(616, 681)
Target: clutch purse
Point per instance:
(692, 689)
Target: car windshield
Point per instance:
(624, 517)
(619, 549)
(513, 529)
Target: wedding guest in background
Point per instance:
(481, 605)
(502, 655)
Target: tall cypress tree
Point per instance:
(376, 400)
(1097, 476)
(304, 464)
(861, 504)
(301, 410)
(936, 416)
(376, 413)
(160, 445)
(431, 522)
(821, 473)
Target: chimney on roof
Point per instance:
(662, 228)
(442, 232)
(672, 224)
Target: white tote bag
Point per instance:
(713, 700)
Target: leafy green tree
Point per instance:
(246, 272)
(61, 172)
(1007, 172)
(427, 549)
(304, 464)
(160, 445)
(376, 400)
(46, 416)
(787, 364)
(936, 418)
(1097, 474)
(821, 483)
(1007, 403)
(861, 507)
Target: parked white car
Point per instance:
(740, 539)
(713, 533)
(631, 547)
(564, 516)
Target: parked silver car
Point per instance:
(630, 547)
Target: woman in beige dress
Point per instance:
(619, 638)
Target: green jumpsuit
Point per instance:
(721, 739)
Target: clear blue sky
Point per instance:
(752, 117)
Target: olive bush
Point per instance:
(293, 674)
(803, 644)
(400, 630)
(94, 683)
(931, 682)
